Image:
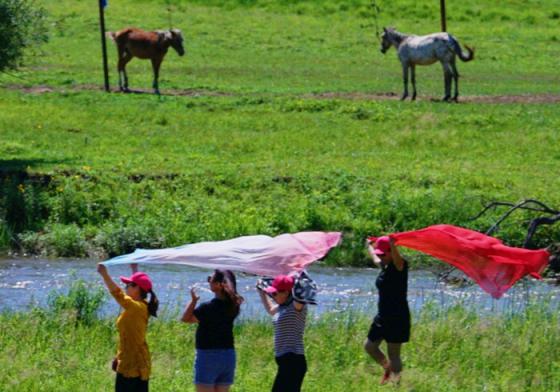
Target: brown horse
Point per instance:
(153, 45)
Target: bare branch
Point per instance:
(536, 223)
(523, 205)
(520, 205)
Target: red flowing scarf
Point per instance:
(494, 266)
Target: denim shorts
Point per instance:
(214, 367)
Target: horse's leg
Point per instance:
(156, 63)
(456, 79)
(447, 74)
(119, 67)
(405, 81)
(413, 80)
(123, 61)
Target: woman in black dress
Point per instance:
(392, 322)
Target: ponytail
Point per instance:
(153, 304)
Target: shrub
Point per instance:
(80, 304)
(65, 241)
(119, 238)
(22, 25)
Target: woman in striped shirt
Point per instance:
(289, 326)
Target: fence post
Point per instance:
(443, 17)
(103, 43)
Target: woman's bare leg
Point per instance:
(372, 348)
(394, 352)
(222, 388)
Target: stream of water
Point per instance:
(27, 282)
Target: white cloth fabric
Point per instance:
(259, 254)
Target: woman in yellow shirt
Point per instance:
(132, 362)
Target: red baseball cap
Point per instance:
(382, 245)
(141, 280)
(280, 283)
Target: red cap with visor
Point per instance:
(141, 280)
(280, 283)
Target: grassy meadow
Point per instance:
(276, 120)
(281, 117)
(452, 350)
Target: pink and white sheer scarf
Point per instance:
(259, 254)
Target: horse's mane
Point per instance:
(395, 33)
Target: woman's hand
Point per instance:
(101, 269)
(266, 301)
(188, 314)
(115, 364)
(106, 278)
(194, 297)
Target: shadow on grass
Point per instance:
(22, 205)
(19, 168)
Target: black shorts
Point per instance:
(392, 329)
(126, 384)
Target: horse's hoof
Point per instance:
(413, 98)
(446, 98)
(403, 97)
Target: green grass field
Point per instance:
(451, 350)
(275, 120)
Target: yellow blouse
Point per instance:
(133, 354)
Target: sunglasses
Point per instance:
(131, 284)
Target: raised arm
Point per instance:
(124, 300)
(111, 285)
(374, 257)
(188, 314)
(267, 303)
(397, 259)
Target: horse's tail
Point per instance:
(459, 52)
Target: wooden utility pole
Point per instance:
(102, 4)
(443, 17)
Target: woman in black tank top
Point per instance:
(392, 322)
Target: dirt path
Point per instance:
(543, 98)
(91, 87)
(526, 98)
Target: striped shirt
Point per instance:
(289, 326)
